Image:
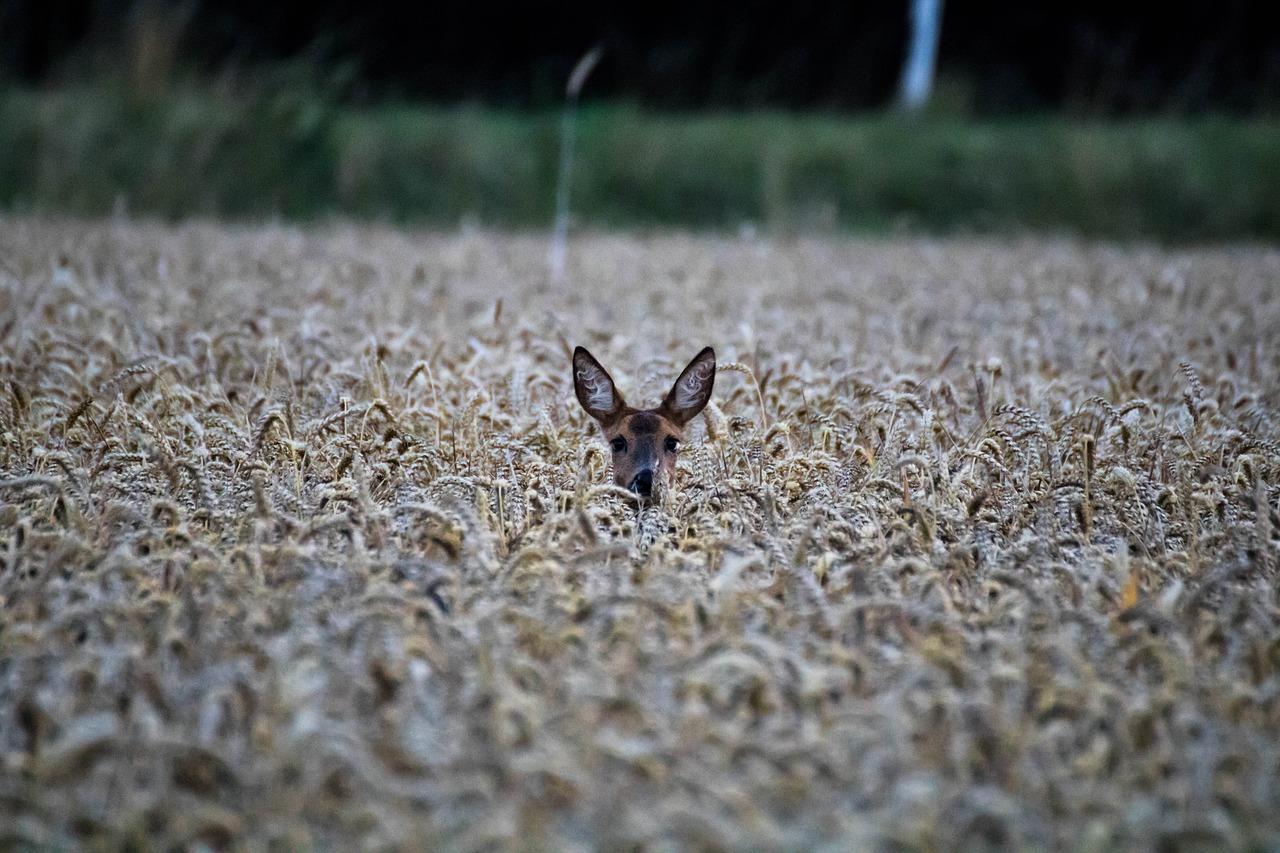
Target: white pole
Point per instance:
(922, 54)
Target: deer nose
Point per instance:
(642, 485)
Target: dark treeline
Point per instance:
(1086, 58)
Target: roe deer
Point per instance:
(644, 441)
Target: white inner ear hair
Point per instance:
(599, 389)
(691, 389)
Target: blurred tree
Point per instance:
(1086, 56)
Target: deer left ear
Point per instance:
(692, 390)
(595, 389)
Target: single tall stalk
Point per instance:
(560, 236)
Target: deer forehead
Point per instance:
(645, 423)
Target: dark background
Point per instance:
(1083, 58)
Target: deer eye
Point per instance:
(619, 445)
(671, 444)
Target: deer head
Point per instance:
(644, 441)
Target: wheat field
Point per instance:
(306, 544)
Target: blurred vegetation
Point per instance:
(284, 150)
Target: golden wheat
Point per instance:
(306, 543)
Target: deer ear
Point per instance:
(594, 387)
(692, 390)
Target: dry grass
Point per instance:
(306, 543)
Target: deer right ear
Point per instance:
(692, 390)
(594, 387)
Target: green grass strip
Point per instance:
(298, 156)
